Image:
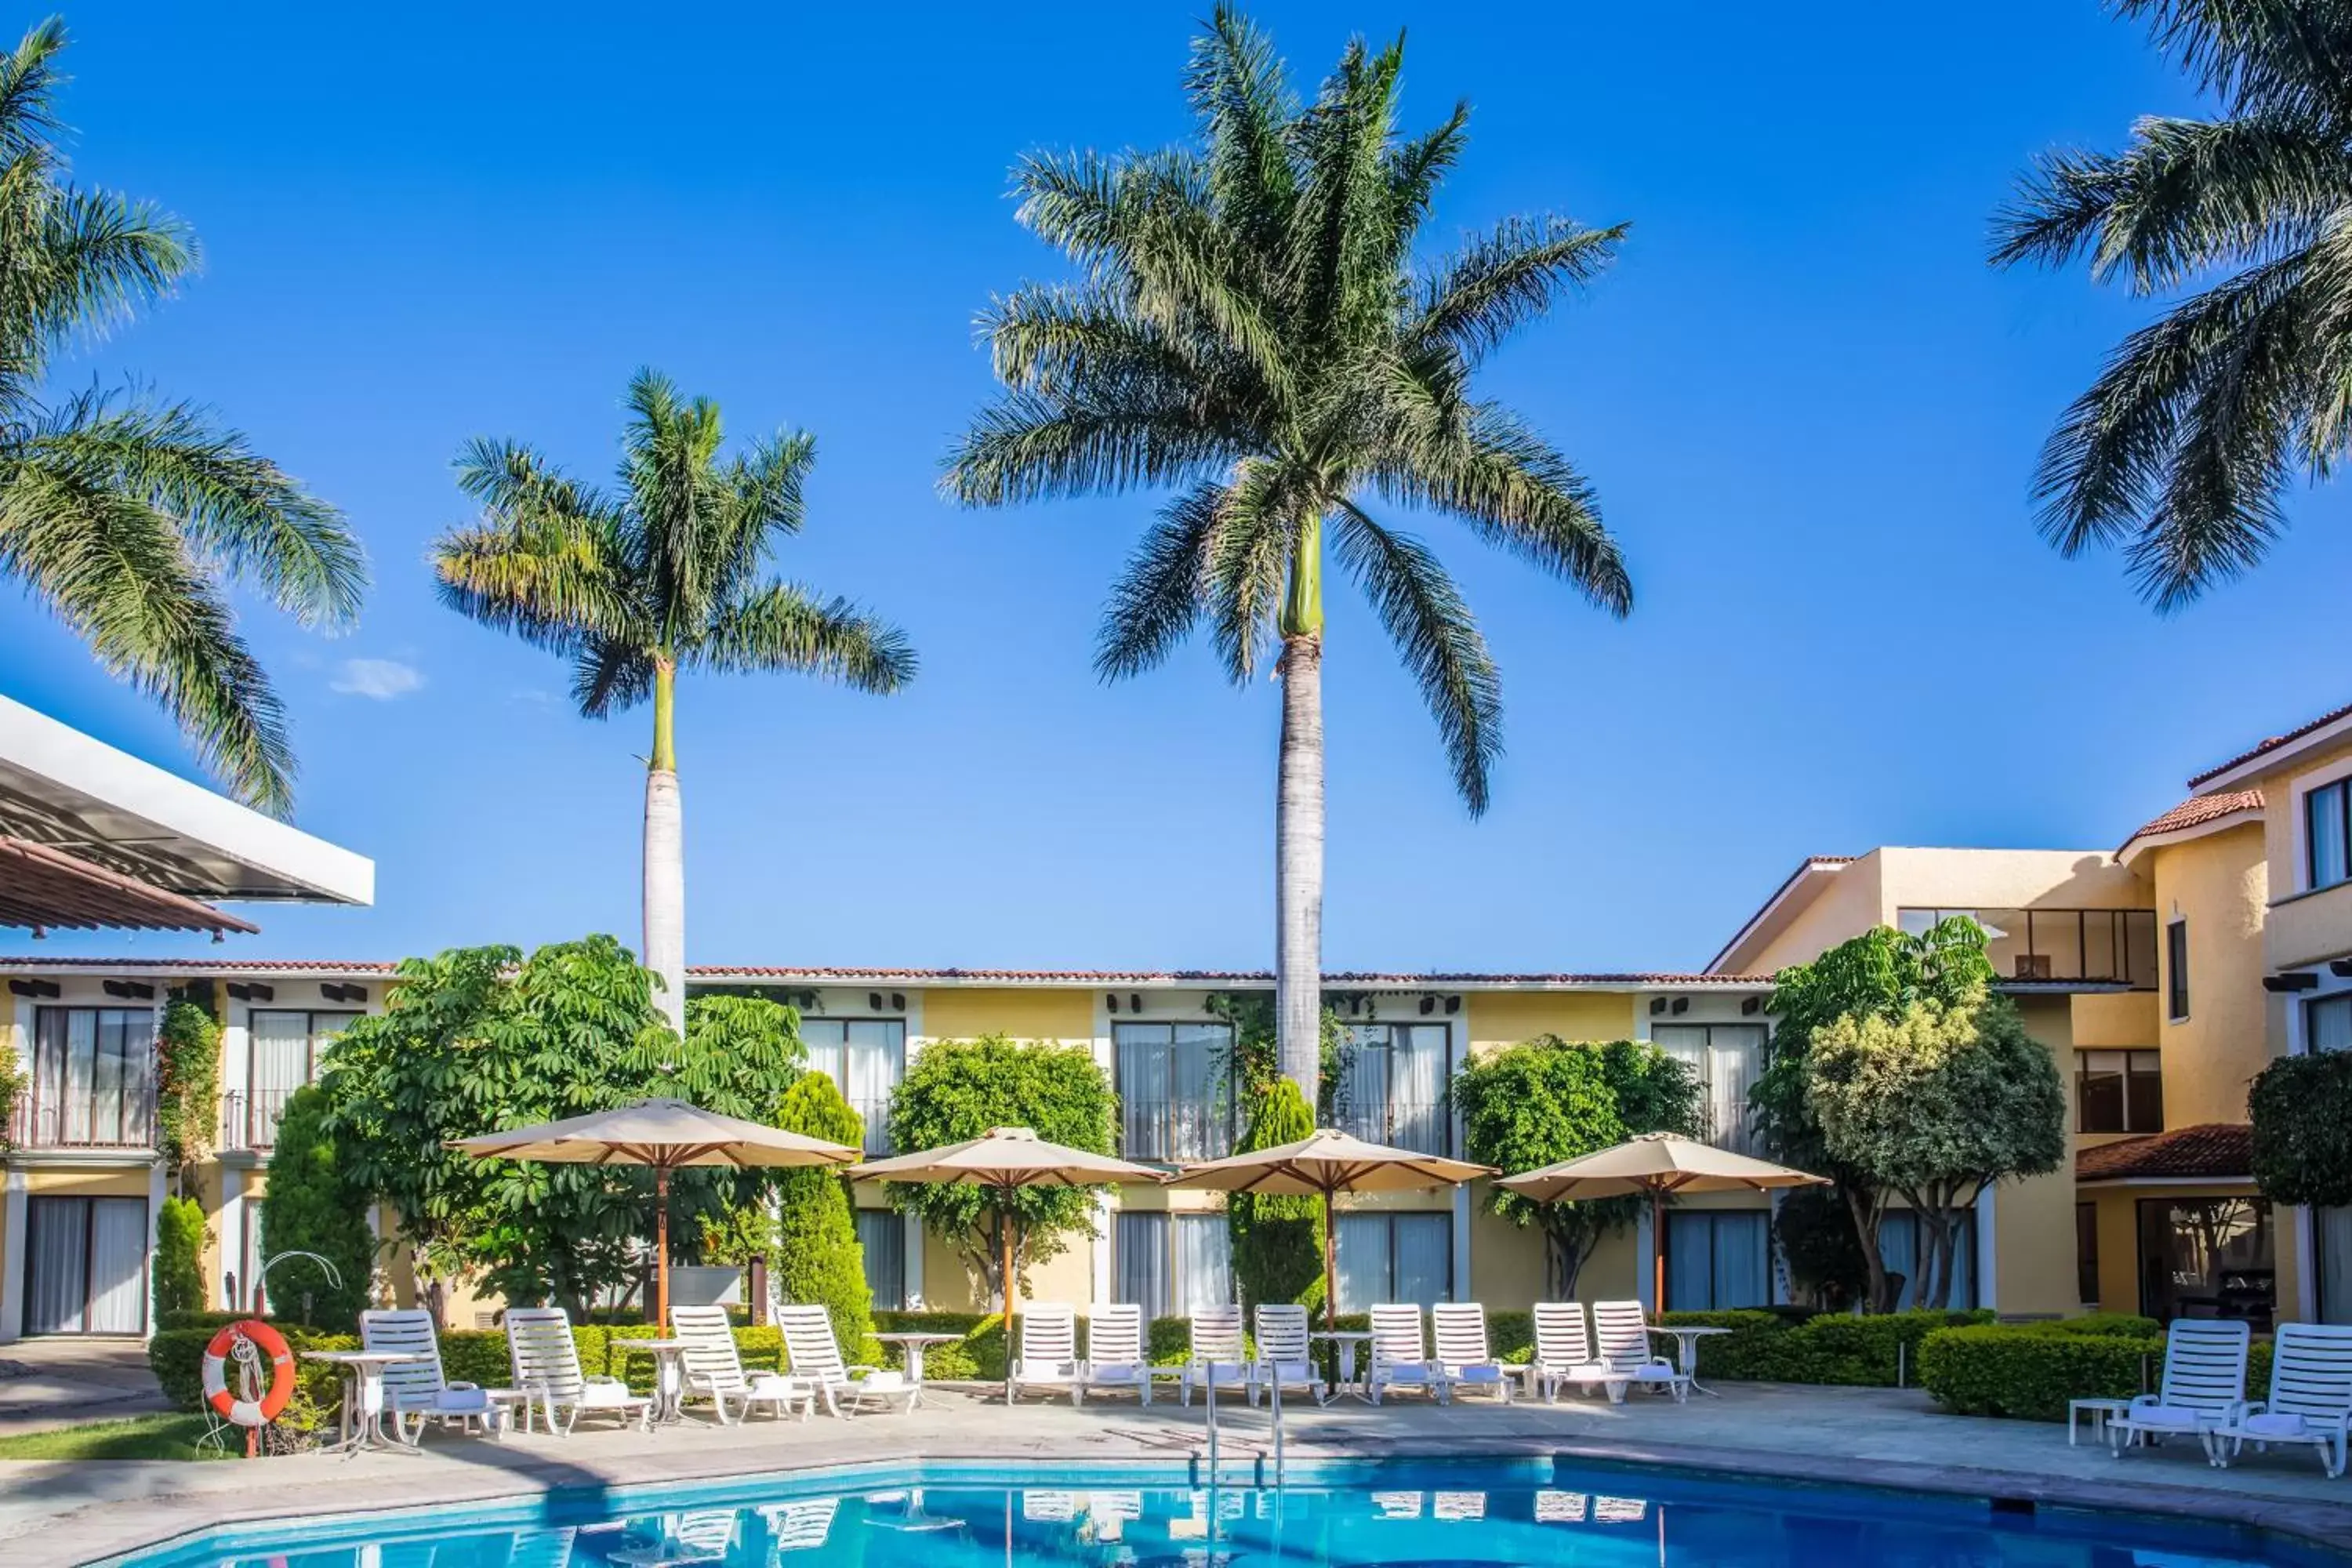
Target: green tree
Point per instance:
(128, 519)
(179, 1272)
(1547, 1099)
(817, 1259)
(1878, 973)
(312, 1205)
(1253, 327)
(959, 1090)
(187, 1084)
(2183, 450)
(1937, 1103)
(2301, 1108)
(667, 574)
(1276, 1240)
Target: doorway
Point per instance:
(85, 1266)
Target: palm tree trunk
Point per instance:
(665, 850)
(1299, 824)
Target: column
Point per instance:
(11, 1259)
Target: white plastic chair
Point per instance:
(2204, 1385)
(1284, 1358)
(1400, 1353)
(1218, 1350)
(1563, 1353)
(1115, 1351)
(1048, 1356)
(816, 1356)
(1459, 1329)
(799, 1526)
(1621, 1332)
(546, 1362)
(2310, 1400)
(713, 1366)
(418, 1388)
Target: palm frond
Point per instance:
(783, 626)
(1026, 447)
(549, 580)
(1248, 564)
(1242, 96)
(1344, 240)
(29, 84)
(1158, 597)
(2289, 57)
(1472, 302)
(1415, 171)
(609, 676)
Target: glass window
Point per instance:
(1717, 1259)
(2118, 1092)
(882, 1242)
(283, 1050)
(2327, 1023)
(2332, 1230)
(2106, 945)
(2206, 1258)
(1727, 1058)
(1385, 1258)
(1393, 1086)
(93, 1078)
(1172, 1100)
(1171, 1265)
(2176, 969)
(2327, 834)
(2086, 1254)
(1898, 1253)
(864, 1058)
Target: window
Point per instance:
(2328, 835)
(85, 1266)
(2331, 1230)
(2118, 1092)
(2114, 946)
(1718, 1258)
(864, 1058)
(2207, 1258)
(2175, 971)
(2327, 1023)
(1898, 1253)
(1393, 1081)
(93, 1079)
(1172, 1265)
(1384, 1258)
(2086, 1254)
(1726, 1057)
(282, 1055)
(1173, 1102)
(882, 1240)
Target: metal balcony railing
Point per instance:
(249, 1122)
(1424, 1126)
(85, 1119)
(876, 1114)
(1175, 1130)
(1733, 1127)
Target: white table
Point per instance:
(2098, 1410)
(670, 1375)
(1686, 1352)
(1347, 1339)
(361, 1422)
(913, 1346)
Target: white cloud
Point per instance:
(382, 678)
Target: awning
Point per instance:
(48, 889)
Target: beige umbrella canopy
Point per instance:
(1328, 1163)
(1656, 1163)
(1005, 1160)
(664, 1134)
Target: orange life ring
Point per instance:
(247, 1342)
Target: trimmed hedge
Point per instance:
(1768, 1346)
(2029, 1371)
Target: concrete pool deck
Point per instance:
(55, 1514)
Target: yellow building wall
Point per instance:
(2304, 928)
(1507, 1263)
(2219, 884)
(2034, 1219)
(1499, 1018)
(116, 1182)
(2115, 1021)
(1022, 1014)
(1849, 906)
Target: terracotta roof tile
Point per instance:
(2211, 1151)
(2274, 743)
(2196, 811)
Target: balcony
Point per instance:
(1423, 1126)
(248, 1123)
(2100, 947)
(876, 1114)
(123, 1119)
(1733, 1127)
(1172, 1131)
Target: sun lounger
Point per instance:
(1218, 1350)
(815, 1357)
(2204, 1385)
(1401, 1356)
(546, 1362)
(2310, 1402)
(1115, 1350)
(714, 1368)
(1048, 1356)
(1563, 1353)
(1621, 1333)
(1282, 1358)
(417, 1390)
(1460, 1331)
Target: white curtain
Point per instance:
(1424, 1258)
(1139, 1262)
(56, 1262)
(2334, 1229)
(1204, 1262)
(281, 1063)
(2328, 1022)
(1364, 1083)
(864, 1058)
(1200, 1117)
(1417, 1075)
(882, 1239)
(118, 1266)
(1361, 1242)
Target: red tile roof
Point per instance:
(2274, 743)
(2210, 1151)
(2197, 811)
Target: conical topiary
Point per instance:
(817, 1262)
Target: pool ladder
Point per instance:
(1274, 1392)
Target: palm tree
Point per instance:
(2182, 449)
(665, 574)
(128, 518)
(1251, 325)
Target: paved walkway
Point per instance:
(53, 1515)
(57, 1381)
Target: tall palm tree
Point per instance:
(666, 573)
(2182, 449)
(1252, 326)
(126, 516)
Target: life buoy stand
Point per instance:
(248, 1342)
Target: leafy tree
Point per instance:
(1276, 1240)
(2183, 450)
(13, 1083)
(312, 1205)
(1816, 1237)
(2302, 1112)
(131, 519)
(179, 1274)
(817, 1259)
(667, 574)
(187, 1084)
(1547, 1099)
(959, 1090)
(1938, 1103)
(1253, 328)
(1878, 973)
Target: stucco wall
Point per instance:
(1499, 1018)
(955, 1014)
(2034, 1219)
(2220, 885)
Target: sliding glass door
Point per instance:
(85, 1266)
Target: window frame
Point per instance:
(876, 1141)
(2087, 1253)
(1675, 1218)
(1221, 1085)
(134, 1090)
(311, 1045)
(2176, 969)
(2340, 789)
(1349, 1116)
(2311, 1007)
(899, 1225)
(1390, 1218)
(2134, 1061)
(1167, 1222)
(2267, 1218)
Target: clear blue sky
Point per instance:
(1810, 409)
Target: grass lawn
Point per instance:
(172, 1437)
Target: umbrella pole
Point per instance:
(661, 1246)
(1330, 1271)
(1658, 1247)
(1005, 1227)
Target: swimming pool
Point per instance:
(1470, 1515)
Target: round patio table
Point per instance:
(914, 1345)
(670, 1375)
(1686, 1352)
(361, 1422)
(1347, 1339)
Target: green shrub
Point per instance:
(816, 1257)
(179, 1271)
(312, 1207)
(2130, 1325)
(2029, 1371)
(1770, 1346)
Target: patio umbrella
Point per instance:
(1328, 1163)
(664, 1134)
(1656, 1163)
(1004, 1160)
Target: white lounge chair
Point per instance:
(1460, 1329)
(1563, 1353)
(714, 1367)
(1116, 1357)
(799, 1526)
(1401, 1354)
(1284, 1357)
(2204, 1385)
(815, 1357)
(2310, 1400)
(546, 1365)
(1217, 1351)
(1048, 1356)
(1621, 1333)
(418, 1389)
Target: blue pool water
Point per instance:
(1467, 1516)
